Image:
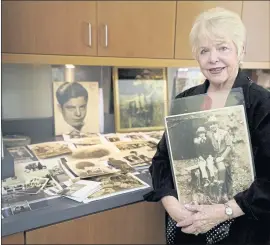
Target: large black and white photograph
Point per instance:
(210, 154)
(140, 99)
(74, 113)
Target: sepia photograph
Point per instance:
(133, 145)
(50, 149)
(73, 112)
(210, 154)
(112, 137)
(21, 154)
(116, 184)
(101, 151)
(121, 164)
(140, 99)
(86, 168)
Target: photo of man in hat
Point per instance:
(222, 147)
(204, 150)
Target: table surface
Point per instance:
(62, 209)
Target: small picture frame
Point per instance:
(140, 99)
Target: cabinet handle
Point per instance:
(90, 35)
(106, 35)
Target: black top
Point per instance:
(254, 226)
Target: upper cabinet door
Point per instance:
(49, 27)
(187, 11)
(143, 29)
(18, 27)
(256, 17)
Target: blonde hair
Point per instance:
(220, 25)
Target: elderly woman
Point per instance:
(218, 39)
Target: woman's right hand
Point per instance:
(175, 209)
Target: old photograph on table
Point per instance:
(210, 154)
(73, 111)
(34, 169)
(50, 149)
(21, 154)
(119, 162)
(33, 185)
(140, 99)
(86, 168)
(116, 184)
(148, 145)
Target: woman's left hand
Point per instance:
(204, 218)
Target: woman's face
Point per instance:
(218, 61)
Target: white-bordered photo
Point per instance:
(210, 154)
(76, 107)
(116, 184)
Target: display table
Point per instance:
(124, 218)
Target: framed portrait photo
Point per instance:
(140, 99)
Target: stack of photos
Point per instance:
(210, 154)
(81, 189)
(116, 184)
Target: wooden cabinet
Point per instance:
(136, 28)
(187, 11)
(256, 17)
(125, 29)
(49, 27)
(17, 238)
(18, 27)
(128, 29)
(140, 223)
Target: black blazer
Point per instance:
(254, 226)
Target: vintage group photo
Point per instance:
(210, 154)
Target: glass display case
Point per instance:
(59, 126)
